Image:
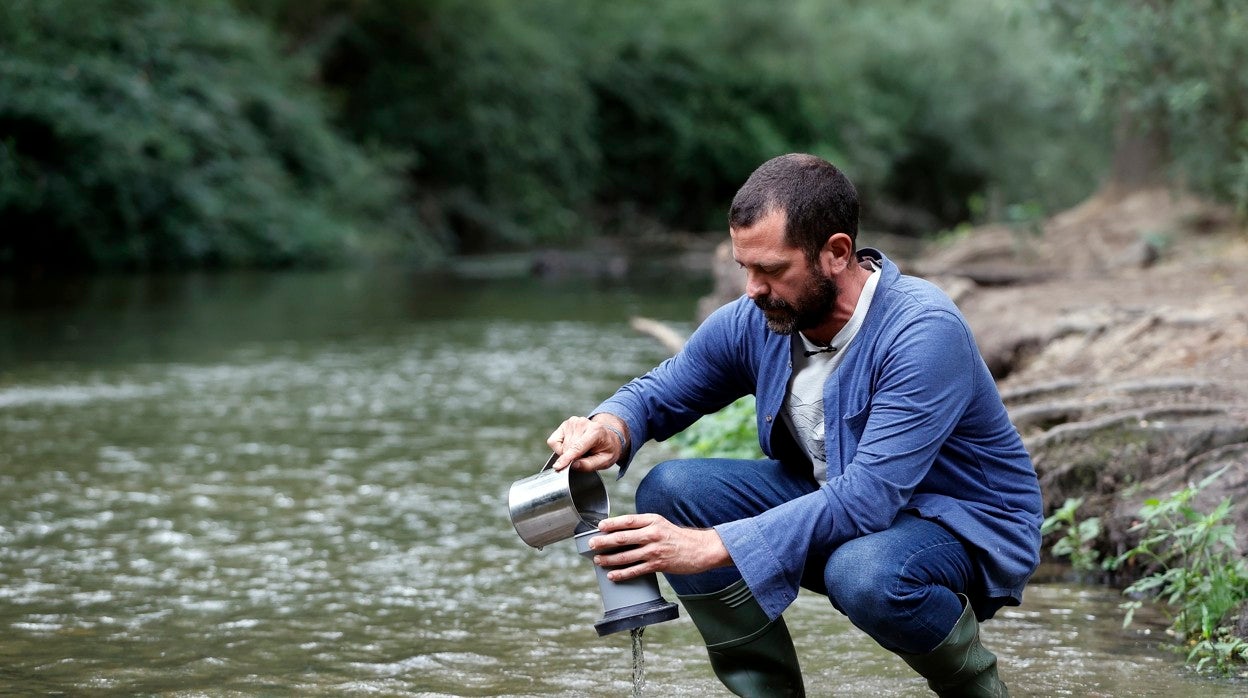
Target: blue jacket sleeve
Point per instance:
(704, 377)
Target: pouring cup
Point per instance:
(555, 505)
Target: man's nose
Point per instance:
(755, 287)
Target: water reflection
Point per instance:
(306, 494)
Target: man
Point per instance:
(894, 482)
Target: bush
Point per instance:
(1186, 559)
(143, 133)
(729, 433)
(1196, 571)
(549, 120)
(1074, 537)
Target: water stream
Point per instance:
(295, 484)
(639, 662)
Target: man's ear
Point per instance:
(837, 253)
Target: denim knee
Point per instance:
(856, 581)
(654, 492)
(671, 489)
(900, 586)
(680, 492)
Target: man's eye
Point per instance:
(765, 271)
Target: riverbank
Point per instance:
(1119, 334)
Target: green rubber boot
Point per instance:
(751, 655)
(960, 665)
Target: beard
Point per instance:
(808, 310)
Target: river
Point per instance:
(294, 483)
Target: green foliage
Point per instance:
(488, 98)
(1191, 565)
(1198, 574)
(729, 433)
(689, 106)
(1173, 68)
(142, 133)
(1075, 538)
(541, 121)
(939, 102)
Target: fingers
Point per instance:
(569, 442)
(582, 444)
(555, 440)
(637, 544)
(626, 522)
(556, 443)
(624, 545)
(621, 531)
(627, 565)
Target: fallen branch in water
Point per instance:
(668, 337)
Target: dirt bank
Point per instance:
(1119, 334)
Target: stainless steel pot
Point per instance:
(555, 505)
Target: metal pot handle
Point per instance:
(553, 457)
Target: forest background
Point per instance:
(143, 134)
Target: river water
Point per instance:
(294, 483)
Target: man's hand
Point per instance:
(586, 444)
(660, 546)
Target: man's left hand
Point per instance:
(660, 546)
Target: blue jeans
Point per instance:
(900, 585)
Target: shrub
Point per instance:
(1075, 538)
(729, 433)
(144, 133)
(1197, 572)
(1189, 563)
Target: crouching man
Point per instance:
(894, 482)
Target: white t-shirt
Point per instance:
(803, 408)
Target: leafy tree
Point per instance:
(1171, 73)
(926, 106)
(546, 120)
(141, 133)
(944, 103)
(691, 97)
(486, 97)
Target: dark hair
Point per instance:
(818, 200)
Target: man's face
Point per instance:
(793, 294)
(811, 307)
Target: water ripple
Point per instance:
(329, 518)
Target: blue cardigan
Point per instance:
(913, 422)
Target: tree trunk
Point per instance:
(1141, 154)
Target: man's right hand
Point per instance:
(585, 444)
